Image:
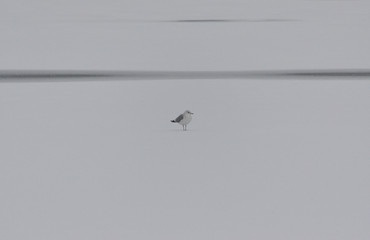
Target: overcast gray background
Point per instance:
(269, 158)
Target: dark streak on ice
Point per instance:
(63, 76)
(231, 20)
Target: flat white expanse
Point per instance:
(146, 34)
(263, 159)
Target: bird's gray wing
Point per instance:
(179, 118)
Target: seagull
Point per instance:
(184, 119)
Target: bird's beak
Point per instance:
(191, 113)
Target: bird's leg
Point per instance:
(186, 127)
(183, 127)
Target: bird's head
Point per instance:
(188, 112)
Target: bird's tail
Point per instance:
(173, 121)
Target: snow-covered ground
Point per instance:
(262, 159)
(266, 158)
(146, 34)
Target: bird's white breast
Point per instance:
(186, 120)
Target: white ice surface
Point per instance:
(130, 35)
(263, 159)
